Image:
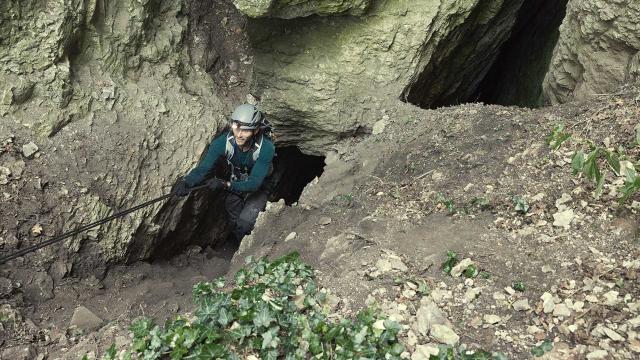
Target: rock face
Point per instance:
(329, 77)
(288, 9)
(598, 49)
(107, 91)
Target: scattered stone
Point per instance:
(428, 315)
(521, 305)
(4, 175)
(612, 334)
(22, 352)
(491, 319)
(378, 127)
(611, 298)
(546, 269)
(386, 264)
(59, 269)
(597, 354)
(457, 270)
(36, 230)
(324, 220)
(45, 285)
(563, 218)
(471, 294)
(291, 236)
(84, 319)
(28, 150)
(547, 302)
(443, 334)
(6, 287)
(499, 296)
(424, 352)
(561, 310)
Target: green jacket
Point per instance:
(258, 170)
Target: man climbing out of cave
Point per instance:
(249, 151)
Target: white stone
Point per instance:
(291, 236)
(521, 305)
(460, 267)
(424, 352)
(491, 319)
(597, 354)
(563, 218)
(444, 334)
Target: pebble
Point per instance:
(521, 305)
(291, 236)
(28, 150)
(491, 319)
(444, 334)
(324, 220)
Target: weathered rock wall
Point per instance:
(328, 78)
(288, 9)
(598, 49)
(106, 90)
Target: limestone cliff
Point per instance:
(107, 91)
(329, 77)
(598, 49)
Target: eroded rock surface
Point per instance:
(332, 77)
(288, 9)
(107, 91)
(598, 49)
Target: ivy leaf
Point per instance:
(452, 260)
(637, 134)
(470, 272)
(263, 317)
(224, 317)
(519, 286)
(141, 328)
(111, 353)
(557, 137)
(521, 205)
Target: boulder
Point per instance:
(598, 50)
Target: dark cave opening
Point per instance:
(293, 170)
(516, 75)
(502, 61)
(201, 219)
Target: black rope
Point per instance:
(88, 226)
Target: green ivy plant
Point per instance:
(275, 311)
(589, 158)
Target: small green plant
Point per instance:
(521, 205)
(470, 272)
(447, 203)
(344, 199)
(275, 310)
(481, 202)
(452, 260)
(557, 137)
(589, 163)
(539, 350)
(519, 286)
(448, 352)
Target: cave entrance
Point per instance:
(489, 61)
(516, 75)
(293, 170)
(201, 218)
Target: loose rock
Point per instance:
(84, 319)
(28, 150)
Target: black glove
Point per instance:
(215, 184)
(181, 189)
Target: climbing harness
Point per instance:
(61, 237)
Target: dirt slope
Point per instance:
(447, 179)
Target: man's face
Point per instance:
(242, 137)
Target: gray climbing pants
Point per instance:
(243, 211)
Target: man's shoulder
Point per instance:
(268, 144)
